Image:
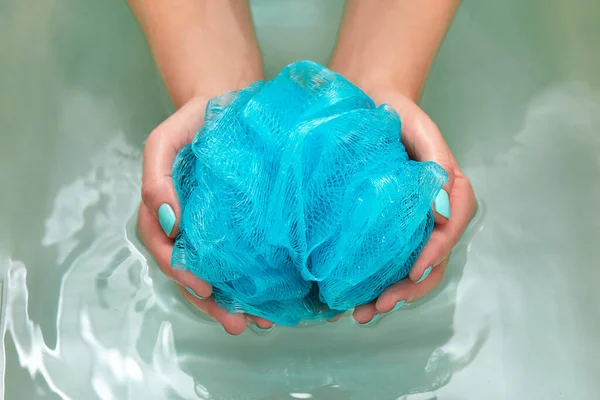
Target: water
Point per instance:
(86, 315)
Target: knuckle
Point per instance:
(151, 188)
(147, 193)
(443, 160)
(450, 170)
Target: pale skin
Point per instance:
(204, 48)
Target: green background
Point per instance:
(515, 90)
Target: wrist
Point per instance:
(210, 85)
(390, 45)
(372, 79)
(201, 48)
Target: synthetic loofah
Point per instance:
(298, 198)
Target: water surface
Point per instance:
(86, 315)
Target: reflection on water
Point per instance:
(123, 332)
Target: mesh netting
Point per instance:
(298, 199)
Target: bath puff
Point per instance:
(298, 199)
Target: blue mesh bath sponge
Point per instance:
(298, 199)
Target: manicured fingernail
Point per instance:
(166, 217)
(194, 294)
(371, 322)
(425, 274)
(441, 204)
(257, 329)
(398, 305)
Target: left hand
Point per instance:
(158, 234)
(454, 207)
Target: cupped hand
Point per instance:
(454, 207)
(159, 212)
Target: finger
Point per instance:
(336, 318)
(365, 313)
(424, 142)
(445, 236)
(158, 193)
(407, 291)
(422, 138)
(428, 144)
(260, 322)
(234, 324)
(161, 249)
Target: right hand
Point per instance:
(159, 212)
(424, 142)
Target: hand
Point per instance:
(159, 213)
(454, 207)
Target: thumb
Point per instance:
(424, 142)
(162, 145)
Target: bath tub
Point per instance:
(86, 315)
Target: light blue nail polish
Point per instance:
(190, 291)
(425, 274)
(398, 305)
(441, 204)
(258, 330)
(372, 321)
(166, 217)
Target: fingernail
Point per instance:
(166, 217)
(425, 274)
(257, 329)
(371, 322)
(398, 305)
(194, 294)
(441, 204)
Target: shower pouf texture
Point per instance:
(298, 199)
